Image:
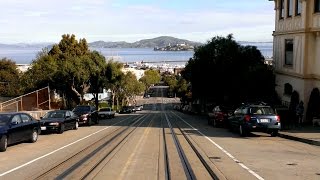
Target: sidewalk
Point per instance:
(306, 134)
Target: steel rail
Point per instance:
(85, 157)
(203, 161)
(166, 157)
(186, 165)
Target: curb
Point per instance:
(307, 141)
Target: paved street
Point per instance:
(159, 143)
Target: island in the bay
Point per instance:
(175, 47)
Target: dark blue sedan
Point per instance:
(17, 127)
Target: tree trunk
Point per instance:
(113, 97)
(117, 103)
(96, 100)
(76, 92)
(64, 102)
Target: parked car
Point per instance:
(187, 108)
(219, 116)
(133, 109)
(139, 107)
(59, 121)
(125, 110)
(106, 113)
(87, 114)
(255, 118)
(17, 127)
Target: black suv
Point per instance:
(255, 118)
(87, 114)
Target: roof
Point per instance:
(11, 112)
(59, 110)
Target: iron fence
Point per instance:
(36, 100)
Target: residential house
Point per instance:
(296, 49)
(139, 73)
(105, 95)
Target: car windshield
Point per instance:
(4, 118)
(105, 109)
(82, 109)
(54, 114)
(261, 110)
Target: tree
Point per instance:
(75, 66)
(69, 67)
(131, 86)
(41, 73)
(98, 79)
(9, 78)
(114, 77)
(234, 72)
(171, 81)
(182, 87)
(150, 77)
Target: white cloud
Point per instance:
(38, 20)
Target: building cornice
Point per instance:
(301, 31)
(300, 76)
(315, 30)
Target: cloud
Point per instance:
(37, 20)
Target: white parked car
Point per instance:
(139, 107)
(106, 113)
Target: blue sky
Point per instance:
(33, 21)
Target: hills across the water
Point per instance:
(161, 41)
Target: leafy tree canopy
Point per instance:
(69, 67)
(151, 77)
(223, 70)
(9, 78)
(171, 81)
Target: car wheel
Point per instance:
(242, 131)
(34, 136)
(274, 133)
(3, 143)
(76, 125)
(61, 130)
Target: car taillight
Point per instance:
(247, 117)
(278, 118)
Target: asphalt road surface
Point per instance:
(159, 143)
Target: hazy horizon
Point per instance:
(44, 42)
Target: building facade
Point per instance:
(139, 73)
(296, 50)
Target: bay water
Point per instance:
(25, 55)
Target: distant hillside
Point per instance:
(145, 43)
(26, 45)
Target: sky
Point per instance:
(35, 21)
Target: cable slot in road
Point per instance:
(84, 159)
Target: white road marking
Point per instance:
(48, 154)
(223, 150)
